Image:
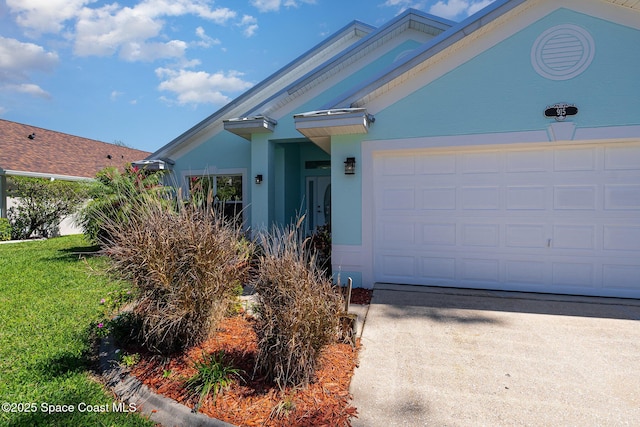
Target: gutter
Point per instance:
(51, 176)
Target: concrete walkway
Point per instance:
(455, 357)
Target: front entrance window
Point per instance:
(224, 190)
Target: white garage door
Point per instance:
(560, 220)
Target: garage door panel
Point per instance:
(621, 158)
(526, 198)
(528, 161)
(436, 269)
(526, 236)
(483, 271)
(525, 272)
(399, 199)
(574, 197)
(397, 233)
(556, 219)
(481, 163)
(622, 197)
(438, 198)
(575, 159)
(437, 164)
(485, 235)
(581, 237)
(480, 198)
(622, 238)
(577, 274)
(398, 266)
(439, 234)
(397, 166)
(621, 276)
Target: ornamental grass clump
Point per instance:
(187, 262)
(297, 308)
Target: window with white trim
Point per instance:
(225, 191)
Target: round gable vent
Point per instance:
(562, 52)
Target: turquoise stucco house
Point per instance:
(501, 152)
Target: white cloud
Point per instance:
(450, 9)
(205, 40)
(17, 57)
(200, 8)
(403, 5)
(134, 32)
(141, 51)
(250, 25)
(3, 110)
(115, 95)
(45, 16)
(478, 5)
(457, 8)
(200, 87)
(266, 5)
(274, 5)
(29, 89)
(103, 31)
(18, 60)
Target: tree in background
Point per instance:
(41, 204)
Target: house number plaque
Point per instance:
(560, 111)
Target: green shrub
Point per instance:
(214, 374)
(186, 265)
(5, 229)
(114, 198)
(41, 204)
(297, 308)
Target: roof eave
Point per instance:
(320, 126)
(246, 126)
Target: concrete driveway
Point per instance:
(454, 357)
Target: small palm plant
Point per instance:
(214, 374)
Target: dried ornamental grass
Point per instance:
(186, 264)
(297, 308)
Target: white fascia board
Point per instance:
(47, 175)
(333, 122)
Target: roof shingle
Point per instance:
(27, 148)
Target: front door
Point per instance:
(318, 196)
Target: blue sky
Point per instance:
(141, 72)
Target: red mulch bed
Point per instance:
(361, 296)
(254, 402)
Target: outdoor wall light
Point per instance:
(258, 179)
(350, 166)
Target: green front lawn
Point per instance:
(49, 296)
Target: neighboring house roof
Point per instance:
(33, 151)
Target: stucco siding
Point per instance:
(500, 91)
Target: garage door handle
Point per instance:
(548, 243)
